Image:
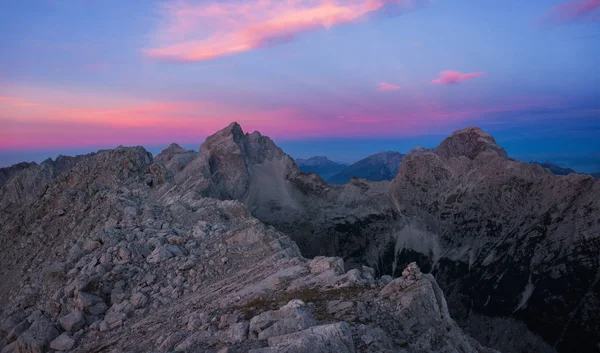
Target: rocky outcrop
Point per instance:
(470, 143)
(506, 239)
(175, 158)
(7, 172)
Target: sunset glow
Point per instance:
(99, 74)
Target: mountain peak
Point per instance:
(469, 142)
(234, 129)
(175, 148)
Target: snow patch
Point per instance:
(527, 292)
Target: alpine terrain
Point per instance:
(232, 248)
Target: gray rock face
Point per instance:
(331, 338)
(175, 158)
(62, 343)
(488, 225)
(7, 172)
(469, 142)
(73, 322)
(292, 317)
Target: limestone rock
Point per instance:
(291, 317)
(73, 322)
(160, 254)
(139, 300)
(62, 343)
(331, 338)
(90, 303)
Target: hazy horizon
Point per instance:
(349, 151)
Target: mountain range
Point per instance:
(380, 166)
(554, 168)
(324, 167)
(234, 246)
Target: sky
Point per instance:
(343, 79)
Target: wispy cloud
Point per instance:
(453, 77)
(198, 32)
(573, 11)
(18, 102)
(384, 86)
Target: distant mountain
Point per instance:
(596, 175)
(381, 166)
(323, 166)
(554, 168)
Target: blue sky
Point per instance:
(339, 78)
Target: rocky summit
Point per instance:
(233, 248)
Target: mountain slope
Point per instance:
(471, 216)
(121, 252)
(506, 238)
(324, 167)
(381, 166)
(7, 172)
(513, 247)
(554, 168)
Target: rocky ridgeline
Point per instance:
(113, 254)
(155, 243)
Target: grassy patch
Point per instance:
(308, 295)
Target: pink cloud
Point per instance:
(573, 11)
(18, 102)
(199, 32)
(384, 86)
(454, 77)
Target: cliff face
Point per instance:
(506, 239)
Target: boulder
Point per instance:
(331, 338)
(139, 300)
(160, 254)
(90, 303)
(73, 322)
(291, 317)
(64, 342)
